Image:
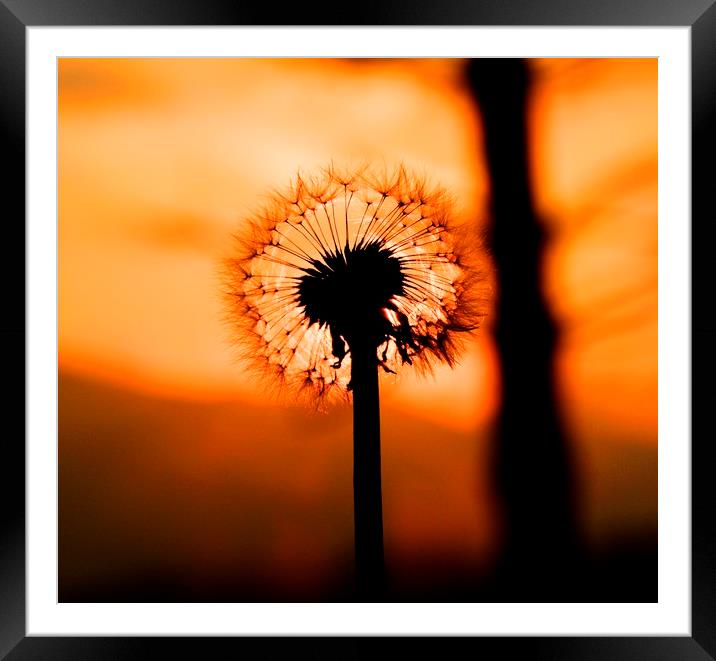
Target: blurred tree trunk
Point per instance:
(533, 469)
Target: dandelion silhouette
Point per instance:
(344, 274)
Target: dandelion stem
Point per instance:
(367, 492)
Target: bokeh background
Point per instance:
(180, 479)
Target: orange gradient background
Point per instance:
(177, 469)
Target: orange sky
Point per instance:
(595, 165)
(157, 166)
(159, 160)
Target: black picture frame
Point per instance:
(17, 15)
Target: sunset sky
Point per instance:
(164, 440)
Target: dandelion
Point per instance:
(342, 275)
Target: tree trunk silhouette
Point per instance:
(367, 491)
(533, 470)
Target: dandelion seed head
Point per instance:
(347, 258)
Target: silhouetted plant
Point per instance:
(340, 275)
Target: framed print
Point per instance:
(359, 332)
